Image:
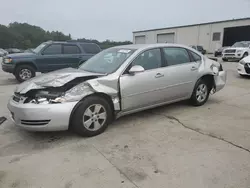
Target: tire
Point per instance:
(223, 59)
(205, 93)
(24, 69)
(85, 112)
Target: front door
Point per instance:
(51, 59)
(144, 88)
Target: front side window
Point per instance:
(53, 49)
(70, 49)
(39, 48)
(150, 59)
(176, 56)
(107, 61)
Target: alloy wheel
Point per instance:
(201, 93)
(94, 117)
(25, 74)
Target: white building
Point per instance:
(209, 35)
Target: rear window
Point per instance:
(90, 48)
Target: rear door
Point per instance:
(181, 72)
(72, 55)
(51, 58)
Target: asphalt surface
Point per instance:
(177, 146)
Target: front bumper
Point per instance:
(220, 80)
(8, 67)
(232, 55)
(41, 117)
(243, 69)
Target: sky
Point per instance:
(117, 19)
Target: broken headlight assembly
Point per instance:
(215, 69)
(50, 96)
(43, 97)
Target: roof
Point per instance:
(240, 19)
(145, 46)
(68, 42)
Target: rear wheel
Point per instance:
(24, 72)
(200, 94)
(92, 116)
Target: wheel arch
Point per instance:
(209, 79)
(30, 63)
(99, 94)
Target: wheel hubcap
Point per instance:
(94, 117)
(25, 74)
(201, 93)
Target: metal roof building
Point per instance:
(210, 35)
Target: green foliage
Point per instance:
(24, 36)
(105, 44)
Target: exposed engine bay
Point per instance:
(50, 94)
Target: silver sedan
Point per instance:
(116, 82)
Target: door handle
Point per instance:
(193, 68)
(159, 75)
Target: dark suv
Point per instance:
(48, 56)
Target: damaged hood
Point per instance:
(53, 79)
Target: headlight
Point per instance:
(7, 60)
(239, 51)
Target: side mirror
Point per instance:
(136, 69)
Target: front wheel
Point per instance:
(92, 116)
(24, 72)
(200, 94)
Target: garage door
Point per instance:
(166, 37)
(140, 40)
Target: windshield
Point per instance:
(240, 44)
(38, 48)
(107, 61)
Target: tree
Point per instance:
(24, 36)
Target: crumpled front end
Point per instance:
(44, 106)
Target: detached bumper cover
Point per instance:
(220, 80)
(41, 117)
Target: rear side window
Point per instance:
(176, 56)
(195, 56)
(53, 49)
(90, 48)
(70, 49)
